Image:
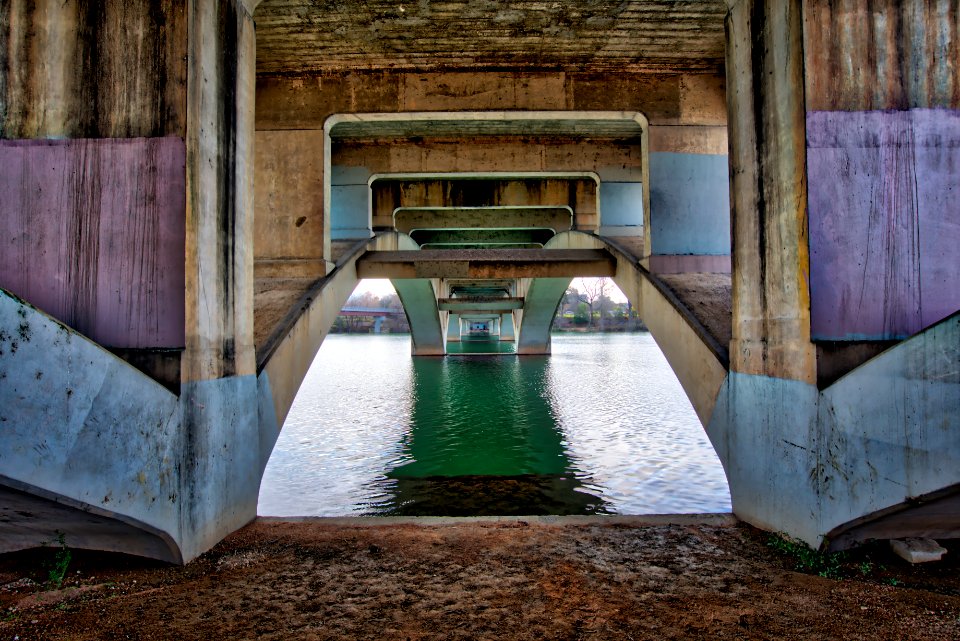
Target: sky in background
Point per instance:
(381, 287)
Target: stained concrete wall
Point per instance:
(108, 69)
(93, 234)
(91, 214)
(288, 181)
(883, 162)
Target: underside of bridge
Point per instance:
(191, 190)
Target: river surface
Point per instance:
(601, 426)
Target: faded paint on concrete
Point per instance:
(689, 204)
(110, 440)
(621, 208)
(884, 221)
(881, 435)
(94, 235)
(350, 211)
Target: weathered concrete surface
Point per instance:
(288, 180)
(540, 301)
(599, 36)
(220, 192)
(410, 220)
(428, 324)
(28, 520)
(466, 304)
(109, 69)
(485, 263)
(93, 235)
(110, 441)
(305, 101)
(544, 199)
(884, 223)
(865, 55)
(765, 98)
(877, 438)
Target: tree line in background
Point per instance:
(592, 309)
(589, 310)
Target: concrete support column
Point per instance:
(507, 332)
(219, 239)
(765, 96)
(453, 328)
(219, 386)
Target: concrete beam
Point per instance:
(479, 304)
(427, 331)
(489, 263)
(482, 236)
(409, 220)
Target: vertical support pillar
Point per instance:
(765, 97)
(506, 327)
(453, 328)
(219, 386)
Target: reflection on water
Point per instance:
(483, 440)
(601, 426)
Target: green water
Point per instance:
(484, 441)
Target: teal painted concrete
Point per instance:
(689, 204)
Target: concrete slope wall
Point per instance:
(885, 433)
(82, 426)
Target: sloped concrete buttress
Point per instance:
(884, 434)
(83, 428)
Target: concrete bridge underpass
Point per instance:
(182, 222)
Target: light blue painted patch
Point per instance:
(269, 427)
(689, 204)
(621, 204)
(344, 175)
(349, 212)
(221, 459)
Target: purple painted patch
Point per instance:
(884, 215)
(92, 233)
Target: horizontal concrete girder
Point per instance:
(486, 263)
(469, 304)
(410, 219)
(481, 236)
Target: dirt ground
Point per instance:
(522, 580)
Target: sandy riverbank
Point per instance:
(509, 580)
